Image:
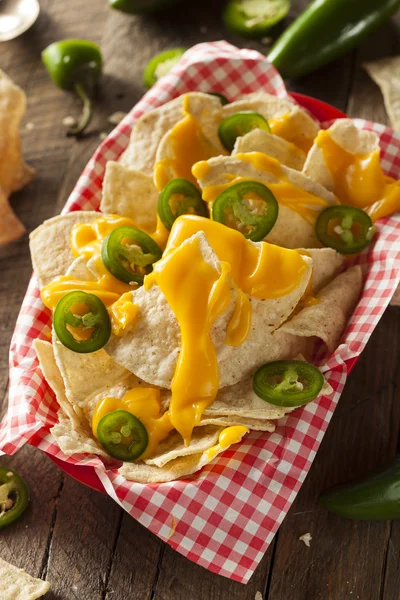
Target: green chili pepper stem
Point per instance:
(86, 114)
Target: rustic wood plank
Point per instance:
(181, 579)
(345, 556)
(25, 543)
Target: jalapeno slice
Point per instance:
(347, 229)
(288, 382)
(161, 64)
(239, 124)
(180, 197)
(122, 435)
(14, 496)
(250, 207)
(224, 99)
(252, 18)
(92, 328)
(129, 254)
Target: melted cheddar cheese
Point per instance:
(261, 270)
(358, 179)
(288, 128)
(227, 437)
(188, 145)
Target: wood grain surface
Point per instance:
(81, 541)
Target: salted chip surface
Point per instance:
(386, 74)
(50, 244)
(327, 319)
(130, 193)
(150, 347)
(291, 230)
(349, 137)
(259, 140)
(16, 584)
(149, 130)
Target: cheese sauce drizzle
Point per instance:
(359, 179)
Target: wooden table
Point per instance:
(80, 540)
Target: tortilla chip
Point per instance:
(290, 229)
(14, 173)
(11, 227)
(16, 584)
(130, 193)
(230, 420)
(270, 107)
(180, 467)
(50, 244)
(79, 270)
(259, 140)
(385, 73)
(150, 347)
(174, 446)
(327, 320)
(75, 440)
(149, 130)
(86, 374)
(349, 137)
(326, 264)
(51, 373)
(242, 402)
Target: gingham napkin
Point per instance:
(224, 517)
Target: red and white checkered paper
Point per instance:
(227, 514)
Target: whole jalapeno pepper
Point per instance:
(75, 65)
(139, 7)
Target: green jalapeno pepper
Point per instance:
(75, 65)
(160, 65)
(250, 207)
(375, 497)
(288, 382)
(129, 254)
(14, 496)
(140, 7)
(96, 319)
(347, 229)
(239, 124)
(122, 435)
(326, 30)
(180, 197)
(252, 18)
(224, 99)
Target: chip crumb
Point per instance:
(306, 538)
(173, 527)
(102, 135)
(29, 126)
(266, 40)
(203, 29)
(68, 121)
(258, 596)
(117, 117)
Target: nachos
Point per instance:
(199, 304)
